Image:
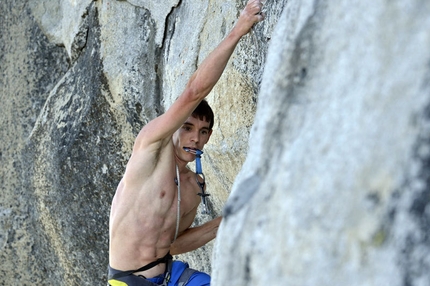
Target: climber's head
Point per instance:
(204, 112)
(194, 132)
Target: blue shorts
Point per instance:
(178, 267)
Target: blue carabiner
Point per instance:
(198, 162)
(201, 176)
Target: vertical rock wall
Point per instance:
(335, 189)
(335, 186)
(79, 80)
(30, 68)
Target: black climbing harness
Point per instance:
(200, 178)
(167, 259)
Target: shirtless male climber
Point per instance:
(144, 230)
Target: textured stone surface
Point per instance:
(79, 80)
(335, 186)
(159, 12)
(30, 67)
(61, 22)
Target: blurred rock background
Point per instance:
(320, 157)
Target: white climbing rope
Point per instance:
(179, 203)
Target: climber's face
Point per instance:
(193, 134)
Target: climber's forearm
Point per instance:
(195, 237)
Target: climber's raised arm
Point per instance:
(203, 79)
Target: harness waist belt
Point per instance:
(164, 259)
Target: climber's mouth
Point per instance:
(194, 151)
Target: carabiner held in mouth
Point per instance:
(193, 151)
(198, 154)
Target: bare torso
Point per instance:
(144, 210)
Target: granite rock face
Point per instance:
(79, 80)
(329, 171)
(335, 189)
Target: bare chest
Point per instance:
(188, 190)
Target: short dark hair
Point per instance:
(204, 112)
